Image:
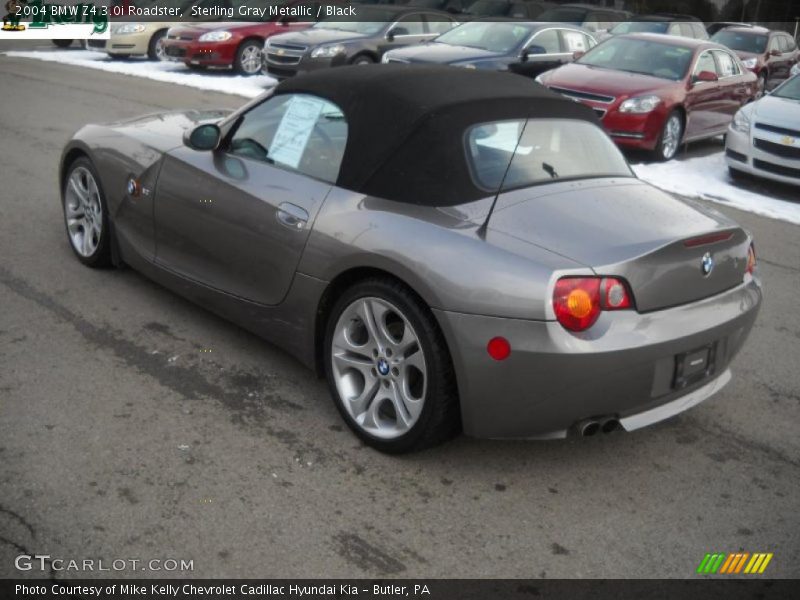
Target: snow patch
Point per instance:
(166, 72)
(707, 177)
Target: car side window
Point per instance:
(686, 30)
(410, 25)
(547, 39)
(296, 132)
(705, 63)
(439, 25)
(792, 46)
(575, 41)
(727, 67)
(774, 44)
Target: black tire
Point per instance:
(62, 43)
(101, 257)
(659, 153)
(761, 86)
(440, 418)
(241, 52)
(362, 59)
(153, 51)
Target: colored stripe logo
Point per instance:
(736, 563)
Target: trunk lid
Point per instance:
(629, 229)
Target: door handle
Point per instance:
(292, 216)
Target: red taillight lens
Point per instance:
(751, 259)
(578, 301)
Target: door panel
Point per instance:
(703, 100)
(217, 222)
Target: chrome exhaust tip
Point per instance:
(609, 426)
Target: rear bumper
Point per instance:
(622, 368)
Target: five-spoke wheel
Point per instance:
(388, 368)
(85, 214)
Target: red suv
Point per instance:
(655, 92)
(769, 54)
(236, 45)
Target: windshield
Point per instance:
(540, 150)
(744, 42)
(640, 27)
(564, 15)
(374, 21)
(495, 37)
(789, 90)
(646, 57)
(488, 8)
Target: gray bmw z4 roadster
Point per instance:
(452, 249)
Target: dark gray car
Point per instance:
(342, 41)
(518, 46)
(452, 248)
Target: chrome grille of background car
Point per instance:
(284, 54)
(577, 95)
(779, 130)
(777, 169)
(777, 149)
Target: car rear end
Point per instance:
(646, 304)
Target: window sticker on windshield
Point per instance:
(295, 130)
(575, 41)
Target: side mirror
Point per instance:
(533, 50)
(394, 32)
(577, 54)
(203, 138)
(706, 77)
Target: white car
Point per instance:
(764, 137)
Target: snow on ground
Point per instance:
(707, 177)
(168, 72)
(704, 177)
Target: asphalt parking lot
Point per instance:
(136, 425)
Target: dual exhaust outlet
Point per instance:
(590, 427)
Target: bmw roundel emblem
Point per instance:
(383, 367)
(707, 263)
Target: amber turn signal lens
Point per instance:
(751, 259)
(578, 301)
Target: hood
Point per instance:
(781, 112)
(314, 37)
(164, 131)
(625, 227)
(436, 52)
(604, 81)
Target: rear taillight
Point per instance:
(578, 301)
(751, 259)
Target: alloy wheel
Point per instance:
(251, 60)
(671, 138)
(83, 212)
(379, 367)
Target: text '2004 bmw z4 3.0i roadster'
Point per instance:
(453, 250)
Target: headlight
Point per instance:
(328, 51)
(215, 36)
(741, 122)
(643, 104)
(129, 28)
(750, 63)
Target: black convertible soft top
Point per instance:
(407, 124)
